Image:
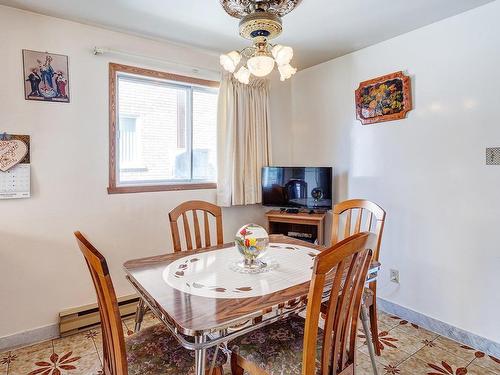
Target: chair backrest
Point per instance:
(365, 215)
(344, 267)
(114, 352)
(194, 206)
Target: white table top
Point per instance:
(211, 274)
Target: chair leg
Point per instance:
(374, 320)
(369, 342)
(235, 368)
(139, 315)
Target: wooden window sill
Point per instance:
(153, 188)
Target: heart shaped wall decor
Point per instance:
(11, 153)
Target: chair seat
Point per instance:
(154, 351)
(277, 348)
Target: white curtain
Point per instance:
(243, 140)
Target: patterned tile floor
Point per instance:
(407, 350)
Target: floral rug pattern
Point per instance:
(407, 349)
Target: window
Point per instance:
(163, 131)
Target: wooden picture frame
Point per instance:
(384, 98)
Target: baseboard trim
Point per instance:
(30, 337)
(444, 329)
(490, 347)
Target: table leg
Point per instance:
(369, 341)
(199, 356)
(139, 315)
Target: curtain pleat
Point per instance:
(243, 141)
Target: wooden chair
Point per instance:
(294, 346)
(361, 214)
(181, 210)
(195, 206)
(148, 351)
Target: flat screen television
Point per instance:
(297, 187)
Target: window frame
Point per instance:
(114, 71)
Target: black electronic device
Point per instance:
(297, 187)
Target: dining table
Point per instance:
(206, 300)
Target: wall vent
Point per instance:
(493, 156)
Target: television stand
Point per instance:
(302, 225)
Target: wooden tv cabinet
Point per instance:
(311, 226)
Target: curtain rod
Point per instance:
(103, 50)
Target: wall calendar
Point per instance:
(15, 169)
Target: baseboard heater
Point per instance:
(81, 318)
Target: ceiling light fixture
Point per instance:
(260, 22)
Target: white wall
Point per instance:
(427, 171)
(42, 271)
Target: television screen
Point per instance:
(300, 187)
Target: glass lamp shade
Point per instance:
(230, 61)
(260, 65)
(286, 71)
(282, 54)
(243, 75)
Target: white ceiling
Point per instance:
(318, 30)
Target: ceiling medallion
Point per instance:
(260, 22)
(242, 8)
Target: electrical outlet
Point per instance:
(493, 156)
(394, 276)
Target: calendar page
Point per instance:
(15, 183)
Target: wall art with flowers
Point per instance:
(384, 98)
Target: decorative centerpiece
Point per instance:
(252, 241)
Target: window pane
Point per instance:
(153, 149)
(204, 134)
(129, 142)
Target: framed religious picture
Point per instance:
(46, 76)
(384, 98)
